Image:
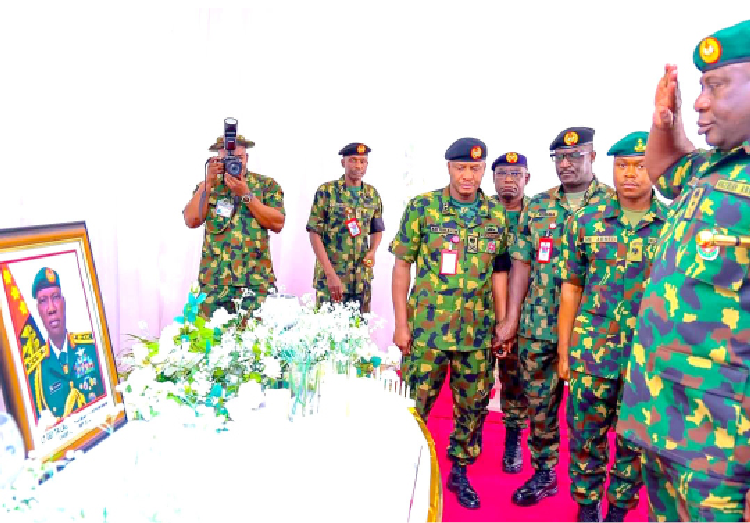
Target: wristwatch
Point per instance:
(247, 198)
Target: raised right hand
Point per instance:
(402, 339)
(215, 171)
(667, 102)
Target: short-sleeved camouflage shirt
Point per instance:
(544, 217)
(332, 207)
(236, 249)
(451, 312)
(603, 253)
(687, 391)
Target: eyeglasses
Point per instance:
(576, 156)
(516, 175)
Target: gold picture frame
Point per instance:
(58, 370)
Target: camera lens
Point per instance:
(234, 168)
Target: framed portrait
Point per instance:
(59, 376)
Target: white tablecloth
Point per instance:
(329, 468)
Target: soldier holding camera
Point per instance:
(238, 208)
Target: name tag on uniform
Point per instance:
(544, 253)
(600, 239)
(448, 262)
(224, 208)
(353, 225)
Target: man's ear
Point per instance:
(528, 177)
(342, 163)
(593, 156)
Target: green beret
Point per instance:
(241, 140)
(730, 45)
(633, 144)
(45, 279)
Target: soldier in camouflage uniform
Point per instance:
(68, 375)
(346, 227)
(458, 238)
(535, 255)
(605, 259)
(686, 400)
(511, 174)
(238, 213)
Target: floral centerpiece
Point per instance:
(203, 366)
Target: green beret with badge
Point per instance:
(46, 278)
(241, 140)
(634, 144)
(730, 45)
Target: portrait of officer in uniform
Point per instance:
(67, 375)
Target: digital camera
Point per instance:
(232, 164)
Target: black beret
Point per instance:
(354, 148)
(466, 150)
(515, 159)
(572, 137)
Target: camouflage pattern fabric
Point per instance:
(545, 217)
(226, 297)
(686, 387)
(679, 493)
(593, 403)
(610, 259)
(543, 390)
(333, 205)
(451, 312)
(236, 250)
(425, 369)
(512, 399)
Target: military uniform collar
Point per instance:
(447, 208)
(656, 210)
(559, 192)
(66, 345)
(341, 182)
(717, 155)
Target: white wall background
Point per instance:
(107, 113)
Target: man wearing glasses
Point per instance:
(535, 255)
(510, 174)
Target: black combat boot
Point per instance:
(615, 513)
(541, 485)
(459, 484)
(590, 512)
(513, 455)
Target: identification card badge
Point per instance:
(448, 262)
(544, 253)
(353, 225)
(224, 208)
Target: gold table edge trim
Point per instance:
(435, 510)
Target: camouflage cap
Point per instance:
(730, 45)
(241, 140)
(45, 279)
(354, 148)
(572, 137)
(466, 150)
(633, 144)
(515, 159)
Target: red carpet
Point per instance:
(494, 486)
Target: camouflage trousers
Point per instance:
(218, 297)
(593, 406)
(679, 493)
(425, 369)
(512, 399)
(543, 391)
(364, 299)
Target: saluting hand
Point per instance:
(667, 103)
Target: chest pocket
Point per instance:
(725, 214)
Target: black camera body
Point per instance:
(232, 163)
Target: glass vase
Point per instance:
(304, 384)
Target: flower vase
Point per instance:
(304, 383)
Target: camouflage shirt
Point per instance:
(513, 218)
(236, 249)
(544, 217)
(603, 253)
(686, 393)
(332, 207)
(451, 312)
